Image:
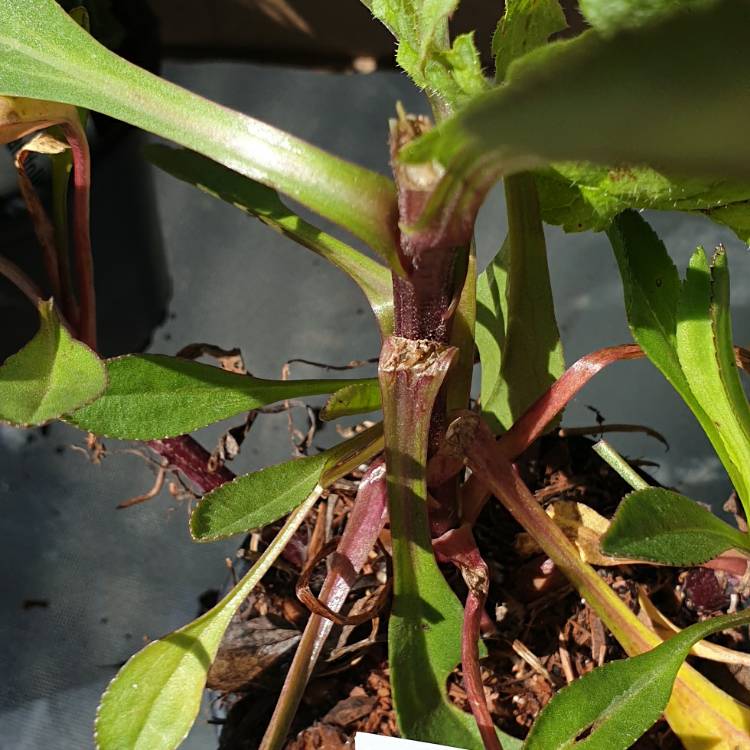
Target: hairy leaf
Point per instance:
(526, 25)
(598, 99)
(152, 396)
(52, 375)
(354, 399)
(262, 497)
(622, 699)
(580, 196)
(154, 699)
(424, 48)
(264, 203)
(45, 54)
(609, 16)
(663, 526)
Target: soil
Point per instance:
(544, 636)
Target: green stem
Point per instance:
(607, 453)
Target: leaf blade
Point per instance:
(153, 396)
(621, 699)
(262, 497)
(154, 699)
(663, 526)
(50, 376)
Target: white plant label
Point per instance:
(363, 741)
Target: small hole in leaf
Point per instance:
(658, 282)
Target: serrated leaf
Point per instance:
(622, 699)
(154, 699)
(525, 25)
(703, 341)
(52, 375)
(609, 16)
(354, 399)
(262, 497)
(152, 396)
(45, 54)
(652, 298)
(264, 203)
(595, 99)
(424, 48)
(580, 197)
(663, 526)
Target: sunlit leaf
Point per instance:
(581, 196)
(622, 699)
(45, 54)
(705, 350)
(152, 396)
(154, 699)
(424, 50)
(52, 375)
(652, 299)
(663, 526)
(264, 203)
(262, 497)
(354, 399)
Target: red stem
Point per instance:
(84, 263)
(43, 229)
(460, 547)
(535, 419)
(188, 456)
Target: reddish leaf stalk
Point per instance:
(84, 263)
(188, 456)
(43, 229)
(459, 546)
(535, 419)
(487, 459)
(365, 523)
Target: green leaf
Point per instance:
(52, 375)
(526, 25)
(255, 500)
(663, 526)
(652, 297)
(264, 203)
(354, 399)
(704, 346)
(45, 54)
(152, 396)
(609, 16)
(154, 699)
(580, 196)
(520, 362)
(492, 317)
(594, 99)
(622, 699)
(424, 48)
